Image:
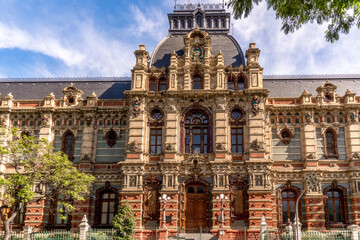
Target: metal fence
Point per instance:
(14, 235)
(54, 235)
(307, 235)
(100, 234)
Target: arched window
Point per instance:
(162, 84)
(330, 144)
(216, 23)
(197, 82)
(153, 85)
(68, 145)
(235, 84)
(197, 132)
(288, 205)
(157, 85)
(182, 23)
(199, 20)
(336, 213)
(107, 201)
(189, 24)
(58, 216)
(334, 206)
(287, 196)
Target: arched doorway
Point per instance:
(197, 211)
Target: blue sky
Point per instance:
(71, 38)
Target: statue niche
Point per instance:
(151, 197)
(239, 199)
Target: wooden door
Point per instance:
(196, 207)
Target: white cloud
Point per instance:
(302, 52)
(84, 51)
(151, 22)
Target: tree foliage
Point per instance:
(340, 15)
(124, 223)
(34, 173)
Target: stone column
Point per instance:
(354, 232)
(84, 228)
(262, 228)
(27, 232)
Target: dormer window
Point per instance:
(156, 85)
(189, 24)
(236, 84)
(197, 82)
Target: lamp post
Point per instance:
(222, 197)
(165, 199)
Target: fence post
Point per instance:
(297, 229)
(27, 232)
(262, 228)
(354, 232)
(84, 228)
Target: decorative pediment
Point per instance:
(197, 45)
(72, 95)
(327, 92)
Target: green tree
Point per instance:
(340, 15)
(124, 223)
(34, 173)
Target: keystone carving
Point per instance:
(356, 155)
(170, 147)
(134, 147)
(136, 107)
(220, 146)
(256, 145)
(88, 120)
(311, 156)
(308, 117)
(255, 102)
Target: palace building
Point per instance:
(198, 119)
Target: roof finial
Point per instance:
(175, 4)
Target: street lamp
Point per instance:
(165, 199)
(222, 197)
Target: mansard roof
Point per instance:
(38, 88)
(114, 87)
(230, 48)
(211, 18)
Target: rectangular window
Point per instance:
(155, 140)
(236, 140)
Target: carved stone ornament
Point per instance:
(85, 158)
(46, 120)
(134, 147)
(111, 137)
(353, 117)
(88, 120)
(256, 145)
(311, 156)
(255, 102)
(195, 171)
(136, 107)
(356, 155)
(170, 147)
(286, 135)
(308, 117)
(2, 121)
(220, 146)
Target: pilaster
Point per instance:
(314, 211)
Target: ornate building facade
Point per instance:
(197, 119)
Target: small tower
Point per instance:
(139, 70)
(253, 66)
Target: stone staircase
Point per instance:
(195, 236)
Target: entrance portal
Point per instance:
(197, 206)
